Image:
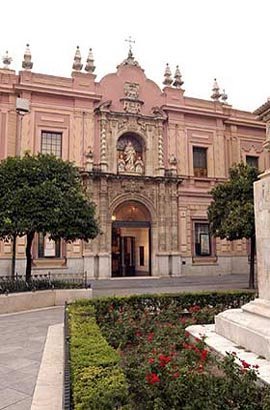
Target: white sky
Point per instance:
(227, 39)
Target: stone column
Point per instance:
(250, 326)
(262, 218)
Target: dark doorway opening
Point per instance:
(129, 240)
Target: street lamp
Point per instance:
(22, 108)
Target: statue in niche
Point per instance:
(139, 165)
(173, 160)
(121, 165)
(130, 157)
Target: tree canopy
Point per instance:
(231, 214)
(42, 193)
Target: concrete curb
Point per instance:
(48, 393)
(18, 302)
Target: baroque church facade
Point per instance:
(148, 158)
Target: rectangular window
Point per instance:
(252, 161)
(48, 248)
(51, 143)
(200, 161)
(202, 239)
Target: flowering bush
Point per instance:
(167, 369)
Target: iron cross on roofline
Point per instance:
(130, 41)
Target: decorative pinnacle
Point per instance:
(27, 63)
(77, 65)
(224, 97)
(6, 60)
(167, 76)
(216, 93)
(178, 78)
(90, 67)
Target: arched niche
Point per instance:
(130, 154)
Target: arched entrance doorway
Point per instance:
(131, 240)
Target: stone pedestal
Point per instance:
(249, 327)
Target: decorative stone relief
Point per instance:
(132, 185)
(132, 90)
(173, 164)
(131, 104)
(248, 146)
(133, 107)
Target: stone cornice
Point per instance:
(61, 92)
(144, 178)
(228, 118)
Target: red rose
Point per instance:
(152, 378)
(204, 354)
(245, 364)
(150, 337)
(164, 360)
(151, 360)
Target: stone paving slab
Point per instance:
(22, 340)
(140, 285)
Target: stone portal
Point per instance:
(131, 240)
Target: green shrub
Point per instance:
(99, 388)
(97, 380)
(122, 318)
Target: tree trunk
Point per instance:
(252, 263)
(13, 257)
(29, 242)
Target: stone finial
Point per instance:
(224, 97)
(167, 76)
(77, 65)
(27, 64)
(6, 61)
(130, 60)
(90, 67)
(216, 93)
(178, 78)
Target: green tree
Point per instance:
(42, 193)
(231, 214)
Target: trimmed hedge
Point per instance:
(97, 380)
(158, 302)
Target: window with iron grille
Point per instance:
(48, 248)
(51, 143)
(253, 161)
(200, 161)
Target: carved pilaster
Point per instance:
(103, 214)
(103, 145)
(161, 167)
(267, 142)
(174, 220)
(162, 220)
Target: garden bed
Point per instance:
(134, 353)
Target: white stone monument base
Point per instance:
(248, 327)
(221, 346)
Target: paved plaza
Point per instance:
(22, 340)
(23, 335)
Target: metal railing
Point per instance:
(66, 380)
(42, 282)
